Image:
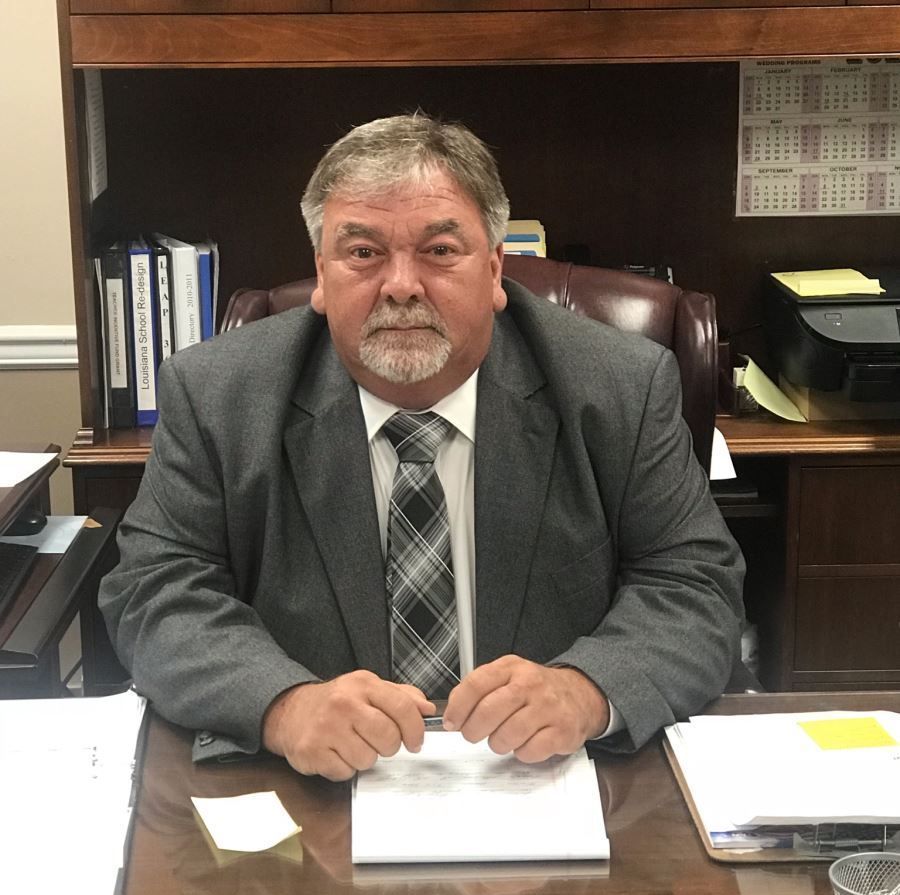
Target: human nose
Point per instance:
(401, 279)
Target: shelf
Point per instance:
(767, 435)
(110, 447)
(558, 36)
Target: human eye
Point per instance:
(441, 250)
(362, 253)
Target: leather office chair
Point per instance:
(681, 320)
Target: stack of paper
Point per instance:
(525, 238)
(816, 283)
(458, 801)
(67, 777)
(789, 770)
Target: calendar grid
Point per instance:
(818, 137)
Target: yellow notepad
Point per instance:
(840, 281)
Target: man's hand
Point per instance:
(528, 709)
(340, 727)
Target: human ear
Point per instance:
(317, 300)
(496, 262)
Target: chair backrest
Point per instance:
(681, 320)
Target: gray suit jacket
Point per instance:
(251, 560)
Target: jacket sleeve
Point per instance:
(669, 641)
(200, 654)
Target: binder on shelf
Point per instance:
(525, 238)
(101, 354)
(119, 346)
(143, 275)
(208, 263)
(164, 318)
(184, 276)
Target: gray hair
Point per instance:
(388, 153)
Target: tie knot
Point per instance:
(416, 436)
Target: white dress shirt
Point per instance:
(455, 467)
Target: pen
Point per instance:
(434, 722)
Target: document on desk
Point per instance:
(789, 770)
(458, 801)
(16, 466)
(67, 771)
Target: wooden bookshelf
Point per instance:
(614, 122)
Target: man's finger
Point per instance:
(516, 729)
(356, 752)
(405, 710)
(466, 695)
(378, 729)
(332, 767)
(500, 709)
(543, 745)
(418, 697)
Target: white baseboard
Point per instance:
(36, 347)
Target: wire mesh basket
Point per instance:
(867, 873)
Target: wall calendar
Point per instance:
(817, 137)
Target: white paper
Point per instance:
(54, 537)
(720, 466)
(457, 801)
(252, 822)
(95, 128)
(748, 770)
(16, 466)
(67, 778)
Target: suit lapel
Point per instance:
(326, 445)
(515, 441)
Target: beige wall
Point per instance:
(35, 252)
(41, 406)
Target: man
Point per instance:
(454, 489)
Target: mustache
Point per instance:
(409, 315)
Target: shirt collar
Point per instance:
(458, 408)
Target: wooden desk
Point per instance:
(655, 847)
(824, 573)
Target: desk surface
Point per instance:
(655, 848)
(752, 435)
(760, 434)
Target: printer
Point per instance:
(848, 343)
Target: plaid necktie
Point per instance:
(424, 632)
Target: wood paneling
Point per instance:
(629, 165)
(382, 6)
(851, 516)
(206, 7)
(706, 4)
(848, 624)
(422, 39)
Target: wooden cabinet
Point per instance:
(829, 618)
(848, 572)
(217, 110)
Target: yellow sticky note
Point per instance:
(848, 733)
